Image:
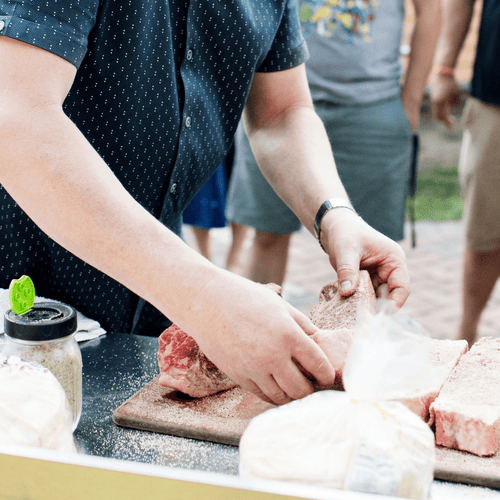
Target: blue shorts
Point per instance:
(206, 209)
(372, 149)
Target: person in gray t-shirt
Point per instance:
(354, 73)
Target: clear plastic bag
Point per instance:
(389, 356)
(360, 439)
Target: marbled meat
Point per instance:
(185, 368)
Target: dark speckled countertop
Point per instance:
(115, 367)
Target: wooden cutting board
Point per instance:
(223, 417)
(220, 418)
(462, 467)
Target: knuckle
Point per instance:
(301, 392)
(278, 397)
(325, 371)
(345, 269)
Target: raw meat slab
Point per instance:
(467, 410)
(222, 418)
(185, 368)
(335, 312)
(445, 355)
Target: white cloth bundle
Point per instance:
(34, 410)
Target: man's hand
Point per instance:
(257, 339)
(353, 245)
(444, 94)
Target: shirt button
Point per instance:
(189, 55)
(188, 121)
(2, 25)
(173, 188)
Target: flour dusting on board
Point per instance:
(221, 418)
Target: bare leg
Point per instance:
(202, 237)
(481, 271)
(269, 257)
(233, 259)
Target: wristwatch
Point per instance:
(328, 205)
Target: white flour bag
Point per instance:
(34, 409)
(355, 440)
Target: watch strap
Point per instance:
(328, 205)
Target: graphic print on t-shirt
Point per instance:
(353, 16)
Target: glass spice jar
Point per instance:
(45, 334)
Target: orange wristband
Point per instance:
(445, 70)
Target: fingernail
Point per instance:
(345, 285)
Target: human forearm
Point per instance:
(457, 15)
(61, 182)
(423, 46)
(294, 154)
(249, 332)
(66, 188)
(305, 176)
(57, 177)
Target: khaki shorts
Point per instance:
(479, 170)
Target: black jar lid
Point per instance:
(45, 321)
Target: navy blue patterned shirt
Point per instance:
(159, 91)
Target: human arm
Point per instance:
(292, 149)
(61, 182)
(457, 15)
(423, 45)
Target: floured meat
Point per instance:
(445, 355)
(337, 315)
(335, 312)
(467, 411)
(185, 368)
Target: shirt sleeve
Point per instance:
(289, 48)
(61, 27)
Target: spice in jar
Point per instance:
(45, 334)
